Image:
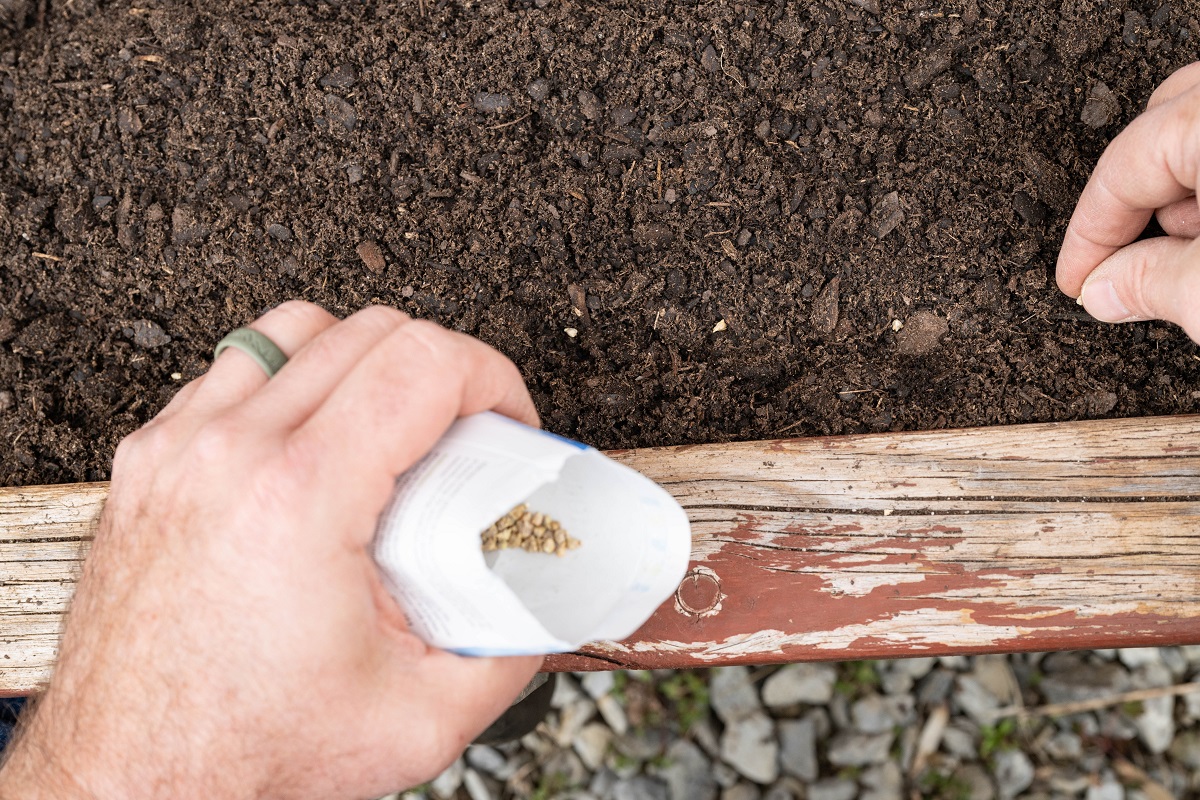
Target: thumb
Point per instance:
(1151, 279)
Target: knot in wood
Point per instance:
(699, 593)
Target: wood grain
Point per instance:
(1037, 537)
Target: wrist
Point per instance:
(65, 756)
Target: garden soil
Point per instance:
(685, 222)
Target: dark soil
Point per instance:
(731, 203)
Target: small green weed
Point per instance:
(687, 694)
(936, 785)
(994, 738)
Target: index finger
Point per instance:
(1150, 164)
(395, 404)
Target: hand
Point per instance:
(1151, 168)
(230, 636)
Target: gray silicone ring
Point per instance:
(254, 344)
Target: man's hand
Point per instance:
(230, 636)
(1151, 168)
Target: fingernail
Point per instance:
(1101, 301)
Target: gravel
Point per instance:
(852, 731)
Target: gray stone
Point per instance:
(612, 712)
(566, 691)
(1191, 652)
(886, 215)
(147, 334)
(446, 784)
(640, 787)
(975, 700)
(1069, 679)
(1189, 701)
(642, 744)
(996, 676)
(955, 662)
(798, 748)
(571, 720)
(1186, 749)
(959, 742)
(1174, 661)
(592, 743)
(800, 683)
(340, 112)
(915, 667)
(749, 746)
(704, 733)
(476, 786)
(598, 684)
(1134, 657)
(833, 789)
(488, 760)
(883, 782)
(564, 762)
(871, 714)
(688, 773)
(976, 781)
(602, 782)
(859, 749)
(725, 775)
(934, 688)
(779, 792)
(1156, 724)
(742, 791)
(589, 105)
(732, 694)
(1107, 789)
(1013, 772)
(1064, 746)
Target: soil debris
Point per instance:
(372, 256)
(1101, 108)
(825, 306)
(342, 76)
(147, 334)
(921, 333)
(886, 215)
(578, 298)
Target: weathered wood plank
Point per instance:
(986, 540)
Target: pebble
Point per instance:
(597, 684)
(1108, 789)
(589, 105)
(280, 233)
(959, 742)
(976, 782)
(476, 787)
(732, 694)
(1069, 679)
(592, 743)
(1134, 657)
(640, 787)
(571, 720)
(1101, 108)
(800, 683)
(488, 760)
(446, 784)
(613, 714)
(7, 400)
(1013, 772)
(538, 90)
(742, 791)
(833, 789)
(688, 773)
(709, 59)
(798, 748)
(1064, 746)
(973, 699)
(749, 746)
(860, 749)
(882, 782)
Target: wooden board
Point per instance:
(1038, 537)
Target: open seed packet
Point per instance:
(633, 542)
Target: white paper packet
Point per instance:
(635, 543)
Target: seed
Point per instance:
(533, 532)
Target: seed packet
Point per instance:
(635, 542)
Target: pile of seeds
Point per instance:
(529, 530)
